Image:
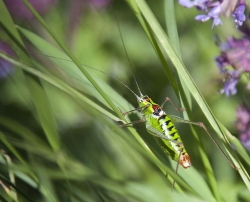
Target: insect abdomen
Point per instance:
(169, 130)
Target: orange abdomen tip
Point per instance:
(185, 160)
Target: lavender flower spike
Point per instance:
(200, 4)
(5, 66)
(243, 125)
(187, 3)
(238, 15)
(230, 85)
(202, 18)
(214, 13)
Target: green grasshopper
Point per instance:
(161, 125)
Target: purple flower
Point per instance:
(200, 4)
(187, 3)
(217, 21)
(214, 14)
(18, 9)
(238, 15)
(236, 53)
(221, 62)
(243, 125)
(202, 18)
(230, 83)
(243, 118)
(100, 3)
(215, 8)
(246, 144)
(5, 66)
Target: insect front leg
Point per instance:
(136, 109)
(133, 122)
(168, 99)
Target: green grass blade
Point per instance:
(8, 23)
(44, 112)
(171, 25)
(156, 47)
(64, 62)
(174, 39)
(49, 127)
(79, 96)
(73, 58)
(184, 74)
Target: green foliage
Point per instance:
(59, 118)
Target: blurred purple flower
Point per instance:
(221, 62)
(243, 118)
(230, 83)
(5, 66)
(18, 9)
(214, 14)
(238, 15)
(215, 8)
(200, 4)
(236, 53)
(243, 125)
(246, 144)
(100, 3)
(202, 18)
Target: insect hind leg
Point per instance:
(200, 124)
(176, 108)
(177, 166)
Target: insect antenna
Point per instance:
(132, 70)
(112, 77)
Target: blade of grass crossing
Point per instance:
(73, 92)
(44, 112)
(151, 37)
(173, 36)
(73, 58)
(161, 37)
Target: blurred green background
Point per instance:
(63, 147)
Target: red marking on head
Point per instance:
(155, 107)
(185, 160)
